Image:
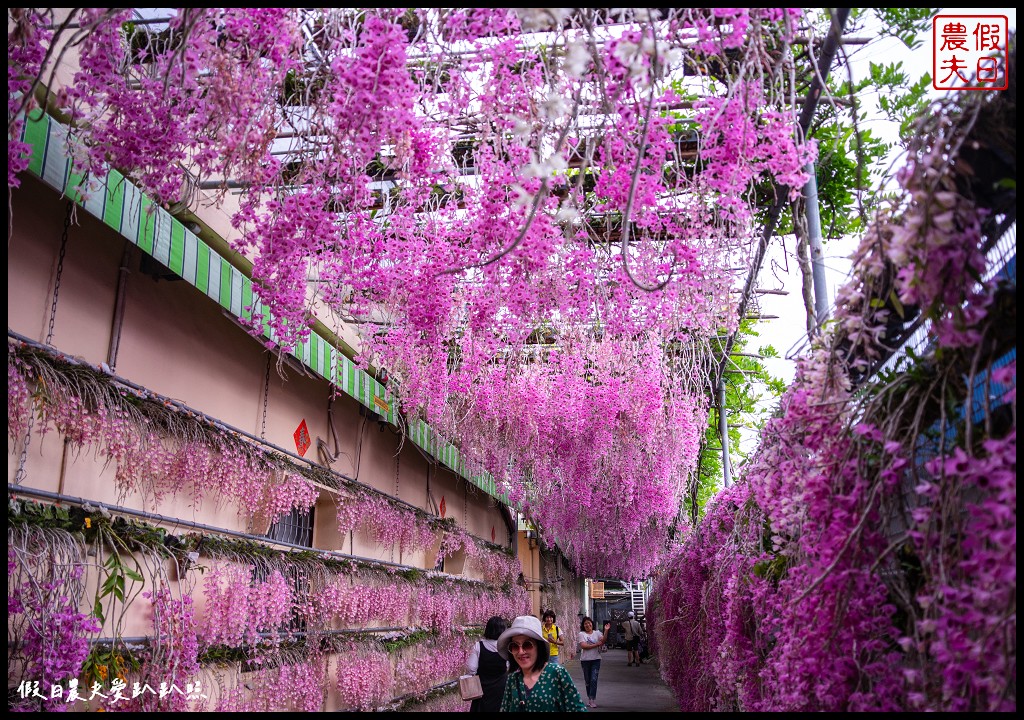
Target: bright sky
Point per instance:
(780, 269)
(788, 333)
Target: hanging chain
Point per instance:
(398, 463)
(19, 476)
(60, 271)
(266, 398)
(20, 473)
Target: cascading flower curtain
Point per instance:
(524, 210)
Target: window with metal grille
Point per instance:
(296, 528)
(300, 588)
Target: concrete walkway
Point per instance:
(626, 689)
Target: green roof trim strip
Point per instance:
(123, 207)
(36, 135)
(114, 197)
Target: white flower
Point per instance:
(577, 58)
(551, 165)
(554, 107)
(560, 14)
(523, 198)
(521, 127)
(567, 214)
(625, 51)
(672, 57)
(534, 19)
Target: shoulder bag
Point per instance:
(469, 687)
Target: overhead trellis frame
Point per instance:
(821, 72)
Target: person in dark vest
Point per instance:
(492, 668)
(633, 632)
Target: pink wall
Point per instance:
(178, 343)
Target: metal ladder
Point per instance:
(637, 597)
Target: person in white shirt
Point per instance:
(590, 656)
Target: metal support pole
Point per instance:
(119, 297)
(821, 301)
(723, 425)
(828, 51)
(587, 610)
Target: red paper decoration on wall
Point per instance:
(302, 441)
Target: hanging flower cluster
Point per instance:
(360, 604)
(19, 397)
(497, 567)
(280, 686)
(964, 629)
(439, 603)
(482, 196)
(44, 592)
(385, 522)
(366, 678)
(741, 146)
(200, 463)
(912, 251)
(478, 608)
(428, 664)
(804, 621)
(27, 42)
(241, 608)
(700, 599)
(868, 560)
(594, 488)
(172, 661)
(159, 106)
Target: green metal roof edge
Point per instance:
(120, 205)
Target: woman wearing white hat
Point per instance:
(536, 685)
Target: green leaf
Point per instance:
(133, 575)
(895, 300)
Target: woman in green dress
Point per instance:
(536, 685)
